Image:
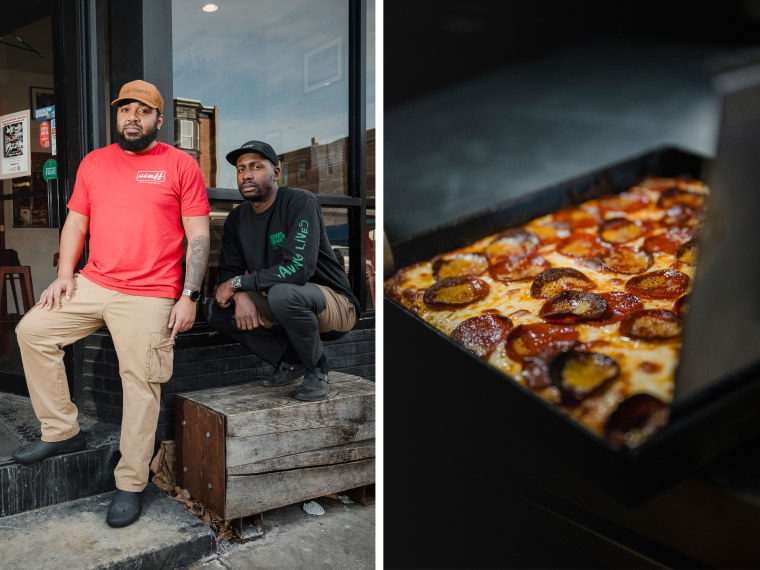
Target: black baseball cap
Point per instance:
(259, 147)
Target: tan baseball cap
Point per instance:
(142, 91)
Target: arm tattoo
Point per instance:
(196, 262)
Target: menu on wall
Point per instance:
(14, 131)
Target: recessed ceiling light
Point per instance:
(210, 8)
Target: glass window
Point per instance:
(277, 74)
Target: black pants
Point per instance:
(294, 337)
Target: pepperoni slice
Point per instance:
(483, 333)
(512, 242)
(624, 259)
(582, 245)
(681, 306)
(455, 292)
(571, 307)
(674, 196)
(621, 230)
(628, 201)
(687, 253)
(682, 215)
(558, 279)
(651, 324)
(461, 264)
(619, 304)
(636, 419)
(539, 339)
(518, 267)
(549, 232)
(662, 284)
(577, 217)
(578, 375)
(668, 241)
(535, 373)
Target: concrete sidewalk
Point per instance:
(75, 536)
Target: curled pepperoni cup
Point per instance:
(681, 306)
(621, 230)
(482, 334)
(460, 265)
(542, 340)
(518, 267)
(676, 196)
(549, 232)
(578, 375)
(662, 284)
(455, 292)
(619, 304)
(668, 241)
(636, 419)
(626, 259)
(582, 245)
(682, 215)
(557, 279)
(687, 253)
(577, 217)
(571, 307)
(535, 373)
(651, 324)
(512, 242)
(628, 201)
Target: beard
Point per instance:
(139, 144)
(261, 194)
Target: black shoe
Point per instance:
(126, 507)
(284, 374)
(39, 450)
(314, 386)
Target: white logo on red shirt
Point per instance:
(151, 176)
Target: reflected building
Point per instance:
(196, 132)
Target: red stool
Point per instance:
(9, 274)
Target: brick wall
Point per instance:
(203, 359)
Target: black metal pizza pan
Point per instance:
(489, 422)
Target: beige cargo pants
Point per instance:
(142, 338)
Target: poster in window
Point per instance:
(41, 97)
(14, 130)
(30, 197)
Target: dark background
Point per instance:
(429, 45)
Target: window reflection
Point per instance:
(277, 74)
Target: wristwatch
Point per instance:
(194, 294)
(237, 282)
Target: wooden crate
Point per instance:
(246, 449)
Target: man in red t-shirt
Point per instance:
(137, 199)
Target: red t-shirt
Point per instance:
(135, 203)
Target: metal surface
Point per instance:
(722, 334)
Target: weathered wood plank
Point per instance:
(318, 457)
(338, 410)
(251, 494)
(252, 397)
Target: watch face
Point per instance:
(195, 295)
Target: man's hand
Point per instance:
(247, 316)
(51, 297)
(224, 293)
(182, 316)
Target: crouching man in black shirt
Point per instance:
(281, 289)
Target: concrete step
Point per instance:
(57, 479)
(74, 535)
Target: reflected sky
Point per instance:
(276, 69)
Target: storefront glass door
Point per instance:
(28, 243)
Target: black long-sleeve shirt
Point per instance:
(285, 244)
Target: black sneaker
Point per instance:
(315, 385)
(284, 374)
